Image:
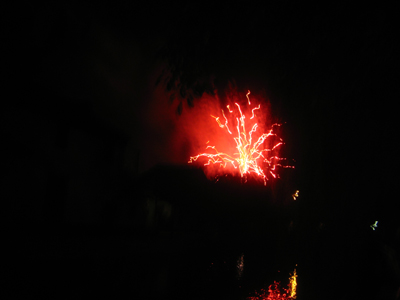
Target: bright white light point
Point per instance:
(375, 225)
(296, 194)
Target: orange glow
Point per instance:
(252, 154)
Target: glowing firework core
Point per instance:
(251, 153)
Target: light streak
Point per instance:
(374, 226)
(247, 95)
(293, 285)
(252, 156)
(295, 195)
(252, 111)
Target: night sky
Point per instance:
(99, 199)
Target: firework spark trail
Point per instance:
(250, 157)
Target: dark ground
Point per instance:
(81, 220)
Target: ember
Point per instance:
(252, 155)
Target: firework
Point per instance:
(276, 292)
(251, 154)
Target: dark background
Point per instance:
(84, 217)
